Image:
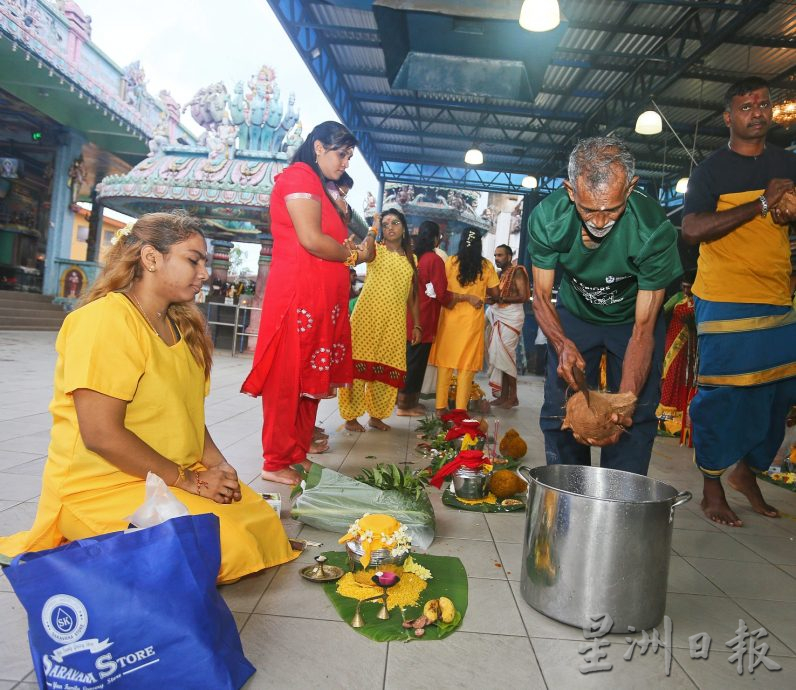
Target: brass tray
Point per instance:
(321, 572)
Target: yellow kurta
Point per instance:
(460, 334)
(108, 347)
(378, 324)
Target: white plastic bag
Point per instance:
(159, 505)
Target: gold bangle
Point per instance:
(352, 258)
(180, 475)
(373, 231)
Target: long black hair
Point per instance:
(332, 135)
(471, 263)
(427, 236)
(406, 241)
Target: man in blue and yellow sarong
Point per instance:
(738, 205)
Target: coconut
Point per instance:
(594, 420)
(512, 445)
(505, 483)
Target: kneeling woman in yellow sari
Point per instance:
(130, 380)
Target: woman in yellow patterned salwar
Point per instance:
(460, 334)
(378, 328)
(130, 381)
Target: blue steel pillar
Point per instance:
(59, 231)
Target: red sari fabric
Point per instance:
(304, 342)
(430, 269)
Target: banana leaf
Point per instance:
(332, 501)
(449, 579)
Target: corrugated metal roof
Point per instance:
(613, 56)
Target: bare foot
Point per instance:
(306, 464)
(319, 446)
(497, 401)
(506, 404)
(441, 411)
(411, 412)
(354, 425)
(743, 479)
(374, 423)
(284, 476)
(318, 434)
(714, 504)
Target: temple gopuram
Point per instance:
(68, 117)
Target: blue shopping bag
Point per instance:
(136, 609)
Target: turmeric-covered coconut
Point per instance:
(505, 483)
(593, 420)
(512, 445)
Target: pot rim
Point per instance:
(546, 485)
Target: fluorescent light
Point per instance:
(540, 15)
(649, 122)
(474, 156)
(682, 185)
(529, 182)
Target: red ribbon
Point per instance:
(473, 459)
(460, 429)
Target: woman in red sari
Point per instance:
(304, 343)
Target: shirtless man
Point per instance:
(506, 317)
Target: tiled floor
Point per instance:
(293, 636)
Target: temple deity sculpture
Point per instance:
(258, 107)
(239, 111)
(226, 133)
(216, 103)
(369, 208)
(133, 84)
(293, 141)
(160, 137)
(197, 106)
(272, 120)
(291, 118)
(171, 106)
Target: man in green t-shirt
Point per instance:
(617, 252)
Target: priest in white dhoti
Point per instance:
(506, 316)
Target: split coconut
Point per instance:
(593, 420)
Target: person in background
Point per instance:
(338, 191)
(378, 328)
(739, 203)
(459, 344)
(433, 294)
(618, 252)
(506, 316)
(304, 344)
(131, 377)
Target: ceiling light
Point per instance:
(649, 122)
(540, 15)
(682, 185)
(529, 182)
(315, 53)
(474, 156)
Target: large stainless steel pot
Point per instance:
(597, 541)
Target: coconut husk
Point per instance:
(505, 483)
(594, 420)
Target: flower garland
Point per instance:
(121, 233)
(377, 531)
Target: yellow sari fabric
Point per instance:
(108, 347)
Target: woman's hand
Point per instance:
(475, 301)
(219, 483)
(417, 334)
(366, 249)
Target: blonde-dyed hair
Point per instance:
(123, 267)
